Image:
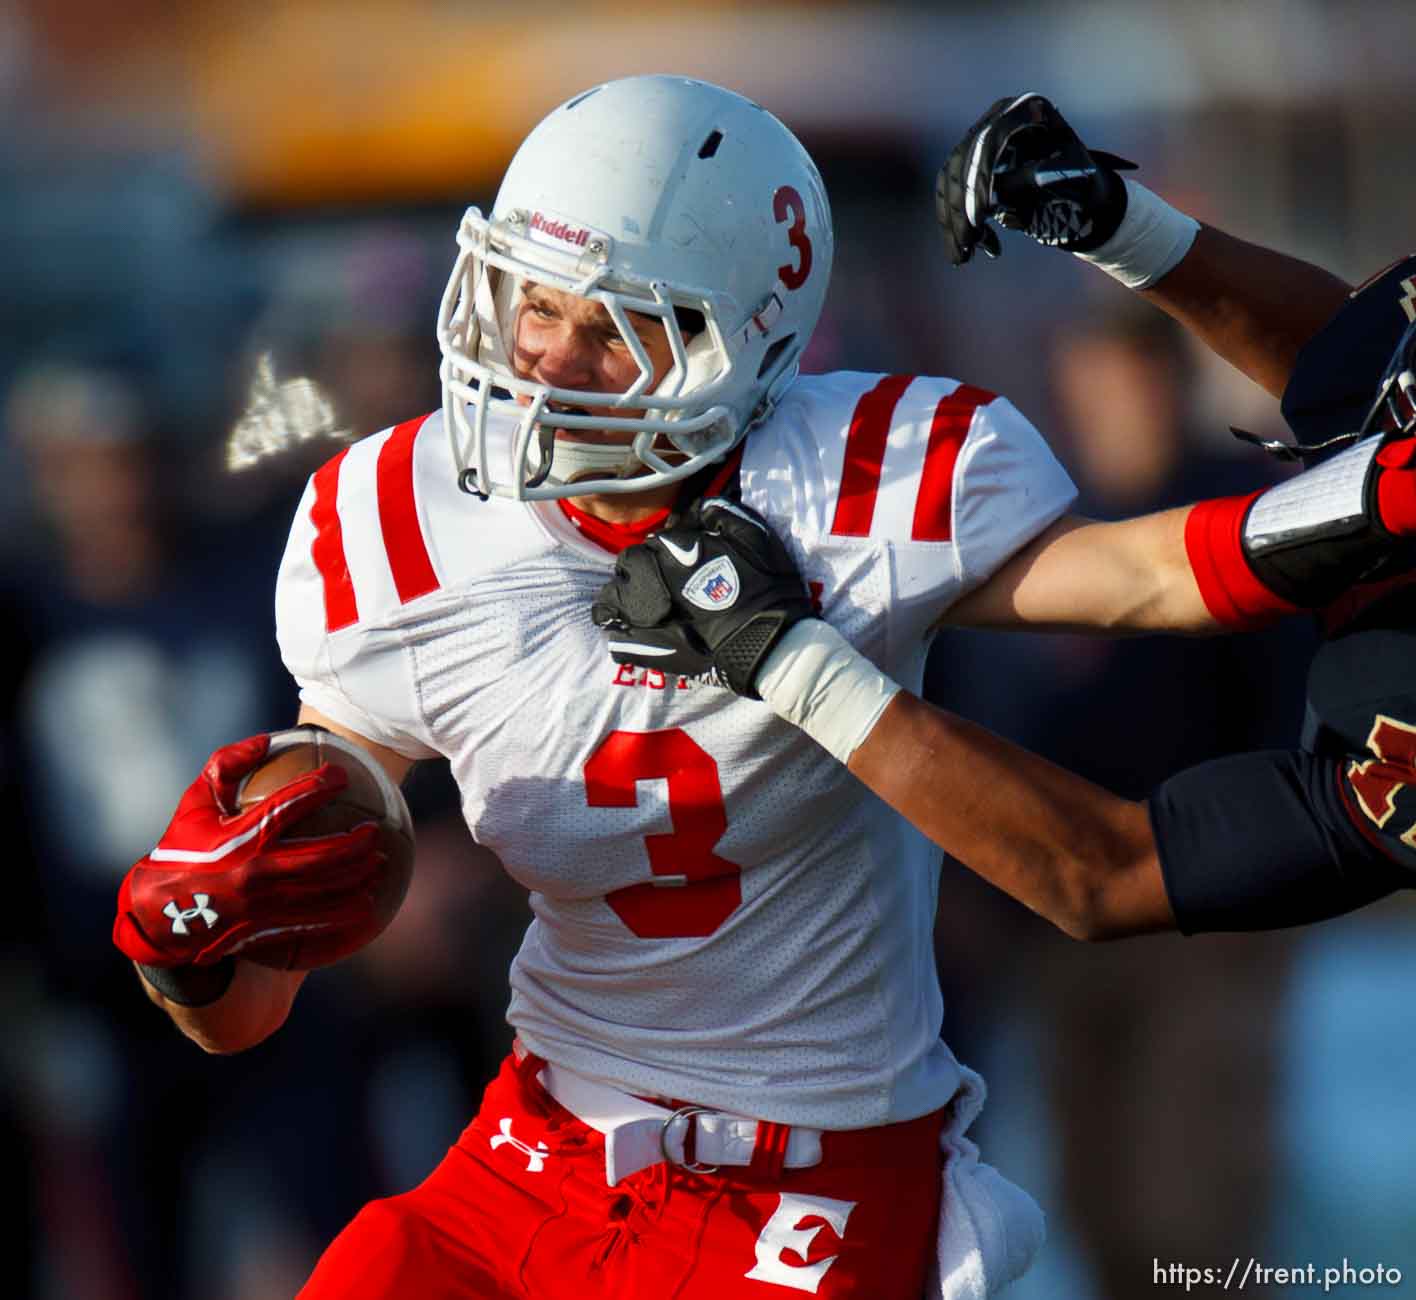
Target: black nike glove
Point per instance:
(1023, 166)
(711, 595)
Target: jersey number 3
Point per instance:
(694, 890)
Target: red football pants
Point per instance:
(519, 1208)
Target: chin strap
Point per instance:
(571, 459)
(1295, 451)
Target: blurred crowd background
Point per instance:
(184, 188)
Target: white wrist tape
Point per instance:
(817, 680)
(1150, 240)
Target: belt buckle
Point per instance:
(685, 1113)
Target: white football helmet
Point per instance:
(645, 195)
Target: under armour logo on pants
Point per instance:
(535, 1156)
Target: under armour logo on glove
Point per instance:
(181, 915)
(535, 1156)
(236, 867)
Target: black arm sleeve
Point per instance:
(1262, 841)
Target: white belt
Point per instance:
(639, 1134)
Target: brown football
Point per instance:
(370, 796)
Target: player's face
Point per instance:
(570, 342)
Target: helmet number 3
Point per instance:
(693, 890)
(787, 206)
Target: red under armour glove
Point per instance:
(1306, 541)
(220, 879)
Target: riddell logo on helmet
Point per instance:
(561, 232)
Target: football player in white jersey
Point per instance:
(729, 1079)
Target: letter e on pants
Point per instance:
(783, 1232)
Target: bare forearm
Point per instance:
(1253, 306)
(254, 1006)
(1081, 575)
(1076, 854)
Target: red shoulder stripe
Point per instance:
(934, 515)
(413, 574)
(865, 451)
(328, 548)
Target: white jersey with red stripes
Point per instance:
(722, 913)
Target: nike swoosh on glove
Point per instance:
(711, 595)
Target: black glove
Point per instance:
(710, 595)
(1022, 165)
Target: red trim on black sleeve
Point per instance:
(865, 453)
(1214, 545)
(327, 551)
(934, 504)
(407, 552)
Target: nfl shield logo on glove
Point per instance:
(714, 586)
